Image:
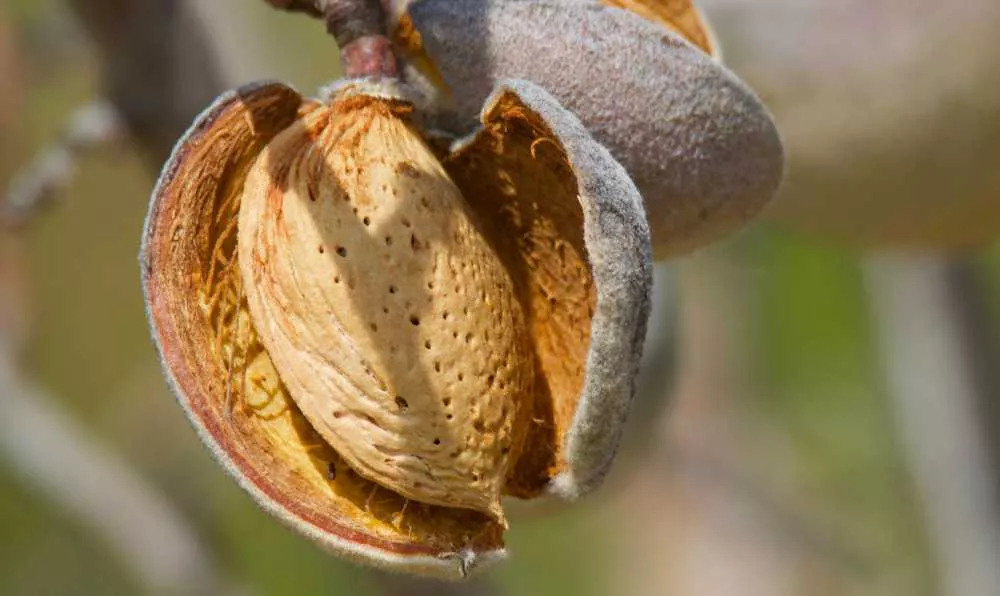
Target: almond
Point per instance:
(391, 320)
(376, 338)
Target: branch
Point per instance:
(159, 73)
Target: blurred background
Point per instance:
(818, 412)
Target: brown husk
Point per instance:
(523, 197)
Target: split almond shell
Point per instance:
(568, 227)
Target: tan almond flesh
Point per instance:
(518, 181)
(391, 321)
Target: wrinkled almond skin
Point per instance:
(417, 376)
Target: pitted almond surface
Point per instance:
(517, 179)
(420, 379)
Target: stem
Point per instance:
(359, 26)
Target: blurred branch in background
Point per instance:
(160, 69)
(38, 440)
(883, 160)
(700, 517)
(39, 184)
(61, 461)
(938, 400)
(64, 463)
(970, 297)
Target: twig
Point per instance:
(933, 392)
(91, 127)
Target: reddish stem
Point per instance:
(359, 28)
(369, 56)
